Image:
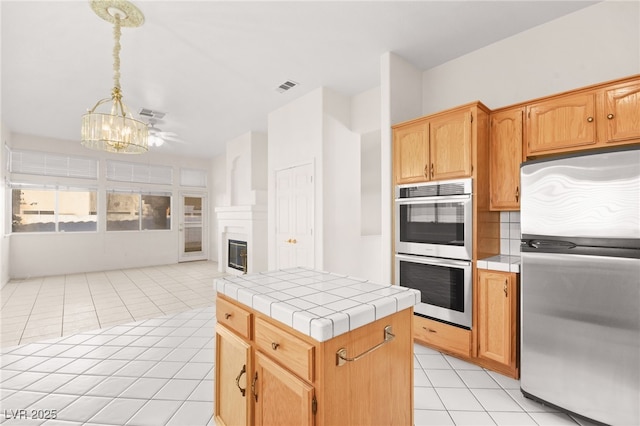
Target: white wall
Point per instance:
(341, 187)
(401, 98)
(5, 240)
(218, 191)
(590, 46)
(246, 169)
(365, 122)
(64, 253)
(295, 138)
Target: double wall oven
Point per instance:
(433, 231)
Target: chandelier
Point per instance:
(113, 129)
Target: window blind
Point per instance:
(48, 164)
(193, 177)
(120, 171)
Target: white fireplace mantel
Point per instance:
(247, 223)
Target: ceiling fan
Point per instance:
(157, 137)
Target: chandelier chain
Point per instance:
(116, 51)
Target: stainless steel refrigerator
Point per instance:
(580, 278)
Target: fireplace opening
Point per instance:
(238, 255)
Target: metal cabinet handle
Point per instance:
(341, 354)
(426, 171)
(589, 119)
(227, 315)
(432, 170)
(430, 330)
(517, 193)
(253, 386)
(609, 116)
(506, 294)
(275, 346)
(244, 370)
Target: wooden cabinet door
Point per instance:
(411, 153)
(497, 317)
(622, 113)
(450, 145)
(281, 397)
(233, 373)
(505, 154)
(561, 124)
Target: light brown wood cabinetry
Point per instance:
(438, 146)
(232, 378)
(497, 304)
(275, 375)
(593, 117)
(563, 123)
(283, 398)
(450, 145)
(411, 153)
(622, 113)
(447, 338)
(505, 154)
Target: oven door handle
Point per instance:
(433, 200)
(436, 261)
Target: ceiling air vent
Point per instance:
(287, 85)
(146, 112)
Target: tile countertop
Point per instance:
(501, 262)
(320, 304)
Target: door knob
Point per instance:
(293, 241)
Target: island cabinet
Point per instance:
(505, 157)
(498, 330)
(598, 116)
(438, 146)
(268, 372)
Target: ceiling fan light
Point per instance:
(155, 140)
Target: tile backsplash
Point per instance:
(510, 233)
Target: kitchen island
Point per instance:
(300, 346)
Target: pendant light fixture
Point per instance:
(115, 129)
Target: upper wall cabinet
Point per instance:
(583, 119)
(505, 156)
(622, 112)
(450, 145)
(435, 147)
(561, 124)
(411, 153)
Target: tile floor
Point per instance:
(159, 371)
(41, 308)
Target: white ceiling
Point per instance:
(213, 66)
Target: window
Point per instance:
(120, 171)
(48, 164)
(193, 177)
(134, 212)
(53, 210)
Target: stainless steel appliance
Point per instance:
(444, 284)
(580, 312)
(434, 219)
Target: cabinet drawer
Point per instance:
(445, 337)
(288, 350)
(233, 317)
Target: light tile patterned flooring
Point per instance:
(156, 371)
(42, 308)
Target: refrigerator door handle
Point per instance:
(550, 244)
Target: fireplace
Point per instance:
(238, 255)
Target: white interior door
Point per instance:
(294, 217)
(192, 228)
